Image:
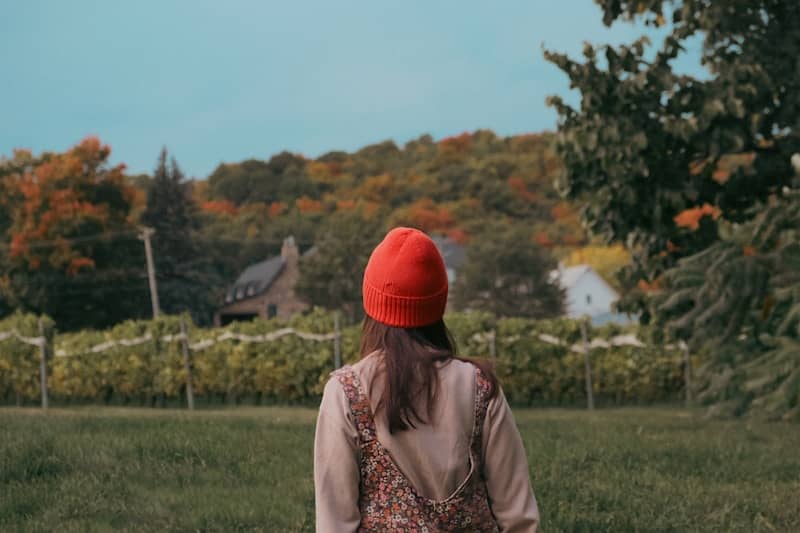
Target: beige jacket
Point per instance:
(434, 457)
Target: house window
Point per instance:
(589, 299)
(272, 310)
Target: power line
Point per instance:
(76, 240)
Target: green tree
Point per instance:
(282, 178)
(331, 274)
(648, 143)
(507, 274)
(695, 177)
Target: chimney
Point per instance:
(289, 250)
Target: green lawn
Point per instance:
(95, 469)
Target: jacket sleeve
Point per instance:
(505, 468)
(336, 463)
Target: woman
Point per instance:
(412, 438)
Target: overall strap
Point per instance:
(482, 388)
(359, 403)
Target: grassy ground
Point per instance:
(92, 469)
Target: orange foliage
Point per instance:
(370, 208)
(749, 251)
(646, 286)
(324, 171)
(275, 209)
(345, 205)
(690, 218)
(380, 188)
(721, 175)
(426, 215)
(456, 144)
(308, 205)
(76, 264)
(519, 186)
(60, 200)
(543, 239)
(458, 235)
(561, 211)
(219, 207)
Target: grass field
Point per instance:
(93, 469)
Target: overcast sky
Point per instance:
(227, 80)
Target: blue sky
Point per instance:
(222, 81)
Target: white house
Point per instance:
(587, 293)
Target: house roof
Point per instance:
(255, 279)
(454, 254)
(569, 276)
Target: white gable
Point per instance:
(587, 293)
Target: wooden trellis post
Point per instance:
(687, 372)
(587, 366)
(337, 342)
(43, 363)
(187, 365)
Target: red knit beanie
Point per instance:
(405, 283)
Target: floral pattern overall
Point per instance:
(387, 500)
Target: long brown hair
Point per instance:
(409, 370)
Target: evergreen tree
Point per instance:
(185, 279)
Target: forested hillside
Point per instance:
(70, 222)
(453, 186)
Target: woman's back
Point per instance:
(434, 458)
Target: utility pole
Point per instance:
(151, 269)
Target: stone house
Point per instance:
(265, 289)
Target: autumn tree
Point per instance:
(507, 274)
(72, 249)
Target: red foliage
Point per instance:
(219, 207)
(78, 263)
(561, 210)
(308, 205)
(520, 188)
(543, 239)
